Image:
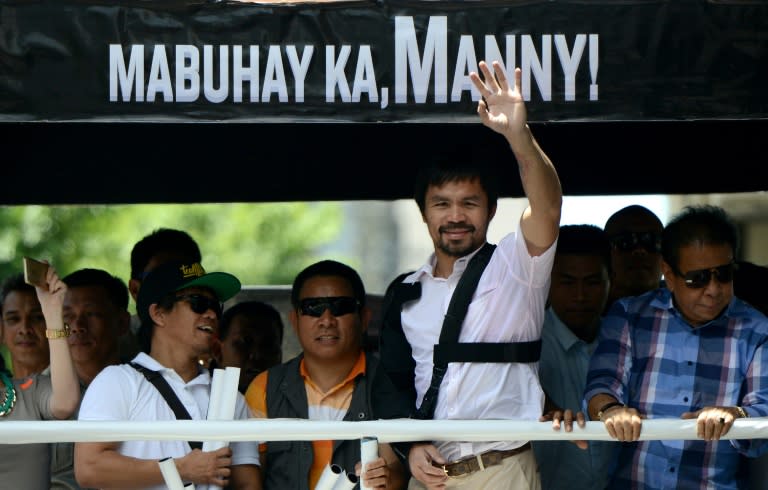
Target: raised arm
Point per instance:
(66, 388)
(503, 110)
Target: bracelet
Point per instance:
(606, 407)
(742, 413)
(58, 334)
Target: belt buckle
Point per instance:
(466, 462)
(480, 464)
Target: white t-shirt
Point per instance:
(508, 306)
(122, 393)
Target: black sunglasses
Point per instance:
(339, 305)
(700, 277)
(200, 303)
(629, 241)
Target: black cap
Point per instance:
(174, 276)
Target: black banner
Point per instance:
(388, 61)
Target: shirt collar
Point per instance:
(458, 267)
(143, 359)
(358, 369)
(565, 337)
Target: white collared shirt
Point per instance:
(122, 393)
(508, 306)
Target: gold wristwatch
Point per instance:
(57, 334)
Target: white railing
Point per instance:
(21, 432)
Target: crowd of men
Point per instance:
(632, 321)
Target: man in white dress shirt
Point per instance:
(457, 203)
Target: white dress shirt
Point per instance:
(122, 393)
(508, 306)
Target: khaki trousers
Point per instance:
(514, 473)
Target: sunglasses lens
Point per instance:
(343, 306)
(200, 304)
(312, 307)
(623, 243)
(651, 242)
(339, 306)
(627, 242)
(700, 278)
(725, 273)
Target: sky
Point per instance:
(595, 210)
(578, 210)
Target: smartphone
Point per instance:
(35, 272)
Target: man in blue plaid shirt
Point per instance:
(690, 350)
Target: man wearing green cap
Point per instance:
(180, 306)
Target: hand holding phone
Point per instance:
(35, 273)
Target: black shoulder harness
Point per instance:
(449, 349)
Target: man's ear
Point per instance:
(133, 288)
(157, 314)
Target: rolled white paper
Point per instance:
(217, 384)
(221, 405)
(229, 395)
(346, 481)
(171, 474)
(369, 451)
(331, 473)
(191, 486)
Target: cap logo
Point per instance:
(194, 270)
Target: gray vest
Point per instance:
(288, 463)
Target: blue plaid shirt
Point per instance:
(651, 359)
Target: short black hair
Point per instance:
(584, 239)
(116, 289)
(704, 224)
(631, 210)
(458, 164)
(169, 242)
(256, 310)
(14, 282)
(329, 268)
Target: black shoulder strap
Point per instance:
(399, 293)
(454, 317)
(165, 389)
(395, 352)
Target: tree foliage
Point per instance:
(259, 243)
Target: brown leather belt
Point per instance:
(470, 464)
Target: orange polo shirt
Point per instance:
(330, 405)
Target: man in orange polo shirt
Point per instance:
(332, 379)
